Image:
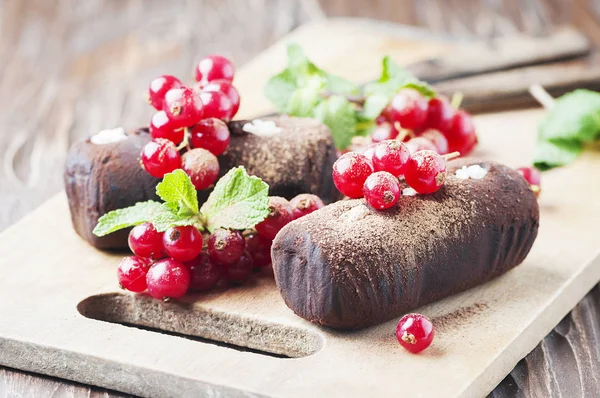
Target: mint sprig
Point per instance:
(238, 201)
(573, 121)
(305, 90)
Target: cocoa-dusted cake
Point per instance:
(348, 266)
(292, 155)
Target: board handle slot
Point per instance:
(186, 320)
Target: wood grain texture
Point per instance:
(68, 68)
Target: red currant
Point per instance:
(205, 273)
(182, 243)
(259, 248)
(145, 241)
(168, 279)
(409, 108)
(384, 131)
(216, 104)
(183, 107)
(440, 142)
(420, 144)
(132, 273)
(414, 332)
(211, 134)
(225, 87)
(350, 172)
(461, 136)
(382, 190)
(369, 152)
(533, 177)
(240, 271)
(439, 114)
(425, 172)
(158, 89)
(305, 203)
(226, 246)
(280, 214)
(201, 166)
(161, 127)
(214, 67)
(160, 157)
(391, 156)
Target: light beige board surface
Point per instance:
(49, 277)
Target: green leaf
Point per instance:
(166, 219)
(374, 105)
(556, 153)
(575, 116)
(340, 115)
(177, 188)
(424, 88)
(339, 85)
(238, 201)
(279, 89)
(127, 217)
(394, 78)
(303, 101)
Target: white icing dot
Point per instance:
(262, 128)
(108, 136)
(409, 192)
(474, 172)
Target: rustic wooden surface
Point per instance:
(58, 67)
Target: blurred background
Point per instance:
(70, 68)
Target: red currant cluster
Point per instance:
(375, 173)
(426, 124)
(191, 116)
(180, 260)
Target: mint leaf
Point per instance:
(166, 219)
(575, 116)
(177, 188)
(394, 78)
(339, 85)
(127, 217)
(303, 101)
(238, 201)
(424, 88)
(279, 89)
(374, 105)
(340, 115)
(549, 154)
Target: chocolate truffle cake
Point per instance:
(292, 155)
(348, 266)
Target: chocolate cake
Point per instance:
(104, 176)
(348, 266)
(295, 158)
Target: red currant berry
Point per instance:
(391, 156)
(461, 136)
(420, 144)
(440, 142)
(369, 152)
(182, 243)
(350, 172)
(382, 190)
(304, 204)
(159, 87)
(240, 271)
(226, 246)
(384, 131)
(216, 105)
(409, 108)
(225, 87)
(382, 118)
(160, 157)
(168, 279)
(205, 273)
(439, 114)
(533, 177)
(259, 248)
(280, 214)
(425, 172)
(201, 166)
(214, 67)
(132, 273)
(161, 127)
(414, 332)
(145, 241)
(183, 107)
(211, 134)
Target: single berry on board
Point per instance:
(414, 332)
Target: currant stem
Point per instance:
(542, 96)
(403, 133)
(186, 140)
(457, 99)
(450, 156)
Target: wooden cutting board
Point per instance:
(62, 314)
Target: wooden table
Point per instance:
(70, 68)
